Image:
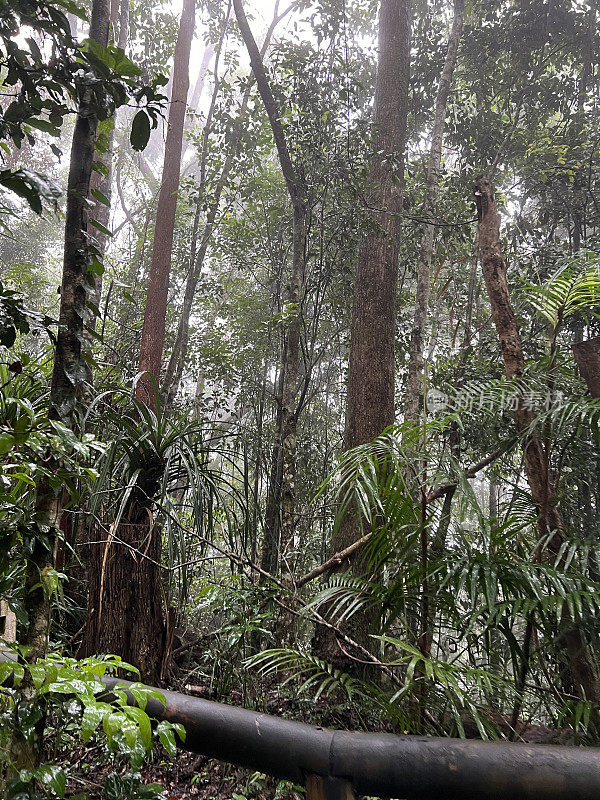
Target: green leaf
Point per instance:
(7, 668)
(143, 721)
(111, 723)
(38, 675)
(99, 226)
(140, 131)
(99, 166)
(43, 125)
(101, 198)
(7, 442)
(167, 737)
(92, 717)
(52, 776)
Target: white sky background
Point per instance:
(260, 13)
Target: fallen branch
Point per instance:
(343, 555)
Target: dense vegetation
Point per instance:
(312, 423)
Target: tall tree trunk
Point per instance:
(69, 382)
(537, 466)
(415, 357)
(100, 182)
(174, 371)
(286, 435)
(125, 606)
(371, 374)
(77, 589)
(153, 331)
(370, 404)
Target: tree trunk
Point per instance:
(103, 182)
(537, 466)
(370, 404)
(272, 528)
(153, 331)
(69, 373)
(124, 609)
(77, 588)
(69, 383)
(174, 371)
(371, 375)
(124, 585)
(286, 434)
(415, 358)
(587, 356)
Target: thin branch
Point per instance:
(338, 558)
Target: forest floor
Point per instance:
(187, 775)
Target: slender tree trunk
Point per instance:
(286, 435)
(415, 358)
(99, 181)
(537, 467)
(258, 449)
(69, 384)
(371, 375)
(370, 404)
(272, 528)
(102, 183)
(77, 588)
(174, 371)
(153, 331)
(125, 602)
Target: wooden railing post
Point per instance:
(324, 787)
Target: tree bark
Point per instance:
(371, 374)
(102, 183)
(70, 369)
(69, 385)
(124, 608)
(370, 404)
(174, 371)
(286, 434)
(415, 357)
(153, 331)
(537, 466)
(587, 356)
(125, 613)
